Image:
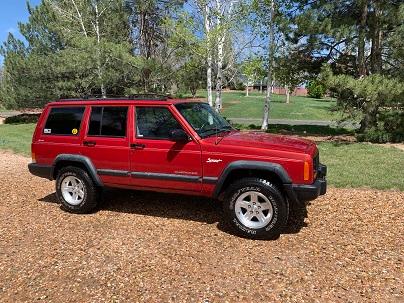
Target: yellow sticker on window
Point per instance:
(74, 131)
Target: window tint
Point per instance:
(64, 121)
(108, 121)
(154, 122)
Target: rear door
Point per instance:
(106, 143)
(157, 161)
(59, 132)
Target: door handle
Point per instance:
(137, 146)
(89, 143)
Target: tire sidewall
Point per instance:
(79, 174)
(277, 201)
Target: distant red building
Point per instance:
(299, 91)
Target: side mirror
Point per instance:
(178, 135)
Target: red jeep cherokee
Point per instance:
(174, 146)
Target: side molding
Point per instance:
(83, 160)
(257, 165)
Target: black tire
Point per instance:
(278, 202)
(91, 192)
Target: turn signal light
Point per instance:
(33, 157)
(306, 173)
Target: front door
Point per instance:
(158, 162)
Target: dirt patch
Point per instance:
(396, 145)
(339, 138)
(152, 247)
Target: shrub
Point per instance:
(389, 129)
(315, 89)
(377, 100)
(379, 136)
(22, 119)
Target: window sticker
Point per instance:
(74, 131)
(47, 131)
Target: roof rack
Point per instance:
(145, 96)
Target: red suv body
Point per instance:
(174, 146)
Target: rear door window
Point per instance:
(64, 121)
(108, 121)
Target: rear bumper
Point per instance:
(309, 192)
(43, 171)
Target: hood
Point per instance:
(267, 141)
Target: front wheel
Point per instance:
(256, 209)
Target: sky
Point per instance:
(12, 12)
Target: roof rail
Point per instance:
(145, 96)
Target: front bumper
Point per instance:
(308, 192)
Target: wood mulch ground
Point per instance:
(148, 247)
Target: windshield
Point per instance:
(203, 118)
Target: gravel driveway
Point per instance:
(166, 248)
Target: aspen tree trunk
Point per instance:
(209, 55)
(80, 18)
(271, 49)
(223, 12)
(98, 50)
(219, 75)
(287, 93)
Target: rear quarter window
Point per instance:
(64, 121)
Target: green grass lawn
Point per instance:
(17, 137)
(362, 164)
(237, 105)
(349, 165)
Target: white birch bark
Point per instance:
(224, 14)
(98, 50)
(96, 26)
(209, 53)
(80, 18)
(287, 93)
(219, 75)
(271, 49)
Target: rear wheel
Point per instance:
(76, 190)
(255, 208)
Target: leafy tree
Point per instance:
(316, 89)
(74, 48)
(150, 39)
(289, 73)
(253, 70)
(265, 12)
(361, 41)
(192, 76)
